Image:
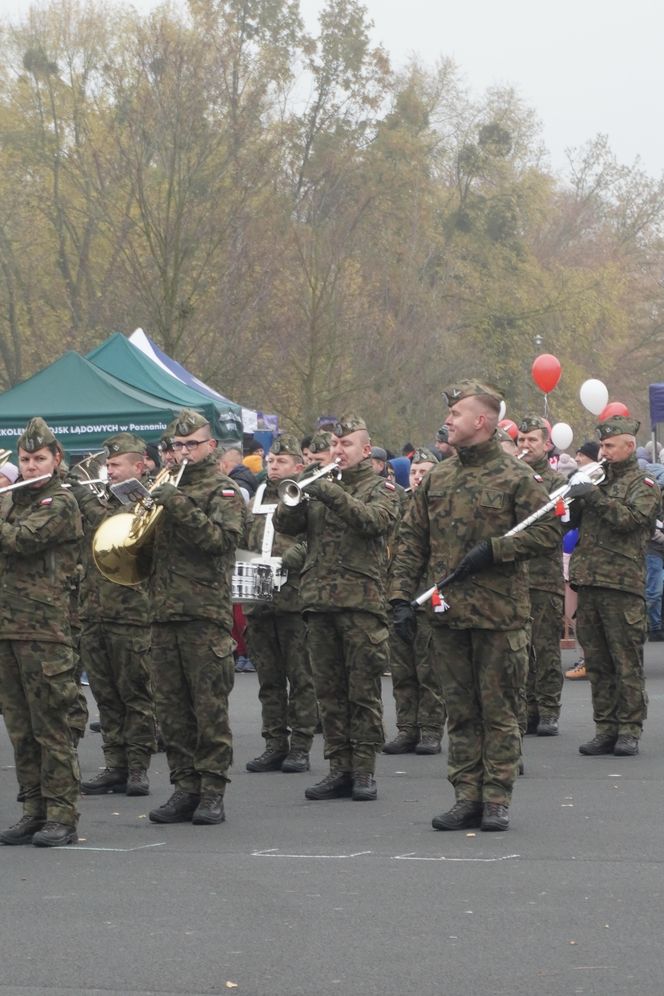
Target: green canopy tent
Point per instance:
(83, 405)
(120, 358)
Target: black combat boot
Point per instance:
(626, 746)
(210, 810)
(364, 787)
(270, 760)
(547, 726)
(54, 834)
(296, 761)
(464, 815)
(137, 782)
(429, 743)
(108, 780)
(603, 743)
(95, 726)
(403, 743)
(336, 785)
(178, 809)
(23, 831)
(495, 817)
(532, 724)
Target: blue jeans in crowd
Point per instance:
(654, 587)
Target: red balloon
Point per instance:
(546, 372)
(613, 408)
(510, 427)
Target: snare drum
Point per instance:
(252, 583)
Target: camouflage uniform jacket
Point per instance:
(481, 494)
(292, 549)
(100, 599)
(39, 543)
(616, 523)
(346, 562)
(194, 551)
(546, 573)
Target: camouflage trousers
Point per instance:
(349, 652)
(116, 658)
(278, 648)
(78, 714)
(545, 674)
(193, 673)
(37, 690)
(611, 628)
(416, 687)
(483, 676)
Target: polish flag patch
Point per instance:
(390, 486)
(649, 482)
(46, 501)
(228, 493)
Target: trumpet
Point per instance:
(292, 493)
(86, 467)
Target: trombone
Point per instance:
(292, 493)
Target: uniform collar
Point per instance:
(621, 467)
(471, 456)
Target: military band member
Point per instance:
(192, 651)
(547, 597)
(319, 449)
(457, 520)
(275, 630)
(39, 542)
(115, 639)
(607, 569)
(416, 687)
(342, 589)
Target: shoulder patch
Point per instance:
(46, 501)
(229, 492)
(538, 477)
(390, 486)
(649, 481)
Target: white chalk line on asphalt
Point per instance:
(274, 852)
(116, 850)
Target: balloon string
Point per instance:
(546, 406)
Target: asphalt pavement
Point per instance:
(298, 898)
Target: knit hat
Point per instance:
(590, 449)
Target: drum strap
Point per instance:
(268, 510)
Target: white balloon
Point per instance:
(562, 435)
(594, 396)
(502, 412)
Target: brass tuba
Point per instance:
(122, 545)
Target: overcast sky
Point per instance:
(585, 66)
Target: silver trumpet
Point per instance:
(291, 492)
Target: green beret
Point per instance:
(423, 455)
(472, 389)
(530, 422)
(618, 425)
(320, 442)
(35, 436)
(124, 442)
(347, 424)
(288, 444)
(188, 422)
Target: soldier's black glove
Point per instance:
(476, 560)
(404, 619)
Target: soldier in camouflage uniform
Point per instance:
(418, 696)
(275, 630)
(547, 597)
(457, 520)
(607, 569)
(342, 589)
(115, 639)
(195, 539)
(38, 551)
